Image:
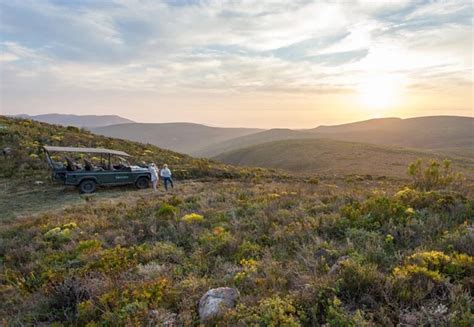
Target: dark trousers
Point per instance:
(166, 180)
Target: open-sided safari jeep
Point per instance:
(111, 168)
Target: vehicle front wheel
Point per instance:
(88, 186)
(141, 183)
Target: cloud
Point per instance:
(280, 47)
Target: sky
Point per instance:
(295, 64)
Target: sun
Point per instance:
(377, 93)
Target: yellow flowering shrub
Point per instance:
(274, 311)
(192, 218)
(413, 283)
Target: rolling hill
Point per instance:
(446, 134)
(182, 137)
(78, 120)
(334, 157)
(439, 133)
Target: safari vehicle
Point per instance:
(112, 168)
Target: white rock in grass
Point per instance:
(216, 302)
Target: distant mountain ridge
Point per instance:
(187, 138)
(446, 134)
(78, 120)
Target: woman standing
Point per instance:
(166, 174)
(153, 174)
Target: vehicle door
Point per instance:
(117, 174)
(122, 176)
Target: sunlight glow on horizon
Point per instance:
(379, 93)
(250, 63)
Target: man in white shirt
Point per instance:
(165, 173)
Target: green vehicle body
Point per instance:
(87, 178)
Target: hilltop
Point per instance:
(443, 134)
(78, 120)
(297, 251)
(331, 157)
(439, 133)
(181, 137)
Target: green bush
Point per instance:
(375, 212)
(360, 284)
(166, 211)
(433, 176)
(271, 312)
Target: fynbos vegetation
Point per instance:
(300, 251)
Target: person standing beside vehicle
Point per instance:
(165, 173)
(153, 175)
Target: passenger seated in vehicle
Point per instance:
(72, 165)
(88, 165)
(121, 164)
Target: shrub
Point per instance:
(217, 242)
(375, 212)
(132, 303)
(58, 236)
(166, 211)
(455, 266)
(372, 245)
(116, 259)
(319, 303)
(192, 218)
(271, 312)
(88, 246)
(362, 284)
(460, 240)
(412, 283)
(64, 298)
(247, 250)
(433, 175)
(435, 200)
(248, 272)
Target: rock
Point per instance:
(6, 151)
(216, 302)
(336, 267)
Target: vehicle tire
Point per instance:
(141, 183)
(88, 186)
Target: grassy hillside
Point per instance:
(451, 135)
(78, 120)
(330, 157)
(24, 174)
(440, 133)
(181, 137)
(275, 134)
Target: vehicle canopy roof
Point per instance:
(84, 150)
